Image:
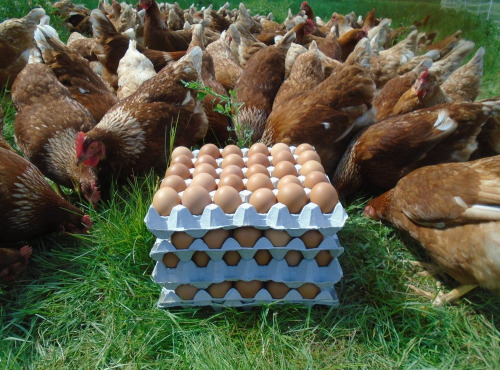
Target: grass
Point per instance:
(90, 302)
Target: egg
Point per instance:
(258, 148)
(256, 168)
(308, 291)
(210, 149)
(284, 168)
(181, 240)
(233, 181)
(196, 198)
(248, 289)
(175, 182)
(205, 180)
(279, 147)
(310, 166)
(323, 258)
(215, 238)
(303, 147)
(262, 257)
(200, 258)
(258, 158)
(231, 149)
(170, 260)
(278, 238)
(184, 159)
(233, 159)
(313, 178)
(182, 150)
(283, 155)
(247, 236)
(293, 258)
(293, 196)
(308, 155)
(312, 238)
(186, 291)
(178, 169)
(262, 200)
(232, 169)
(227, 198)
(205, 168)
(219, 290)
(288, 179)
(259, 181)
(325, 196)
(231, 258)
(205, 158)
(164, 200)
(276, 289)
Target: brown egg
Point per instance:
(325, 196)
(293, 196)
(232, 169)
(313, 178)
(178, 169)
(182, 150)
(215, 238)
(175, 182)
(210, 149)
(205, 168)
(258, 158)
(258, 148)
(259, 181)
(293, 258)
(323, 258)
(279, 147)
(308, 291)
(186, 291)
(231, 258)
(233, 181)
(227, 198)
(262, 200)
(181, 240)
(310, 166)
(231, 149)
(205, 158)
(233, 159)
(170, 260)
(308, 155)
(312, 238)
(257, 168)
(276, 289)
(184, 159)
(278, 238)
(288, 179)
(196, 198)
(262, 257)
(284, 168)
(164, 200)
(283, 155)
(200, 258)
(303, 147)
(219, 290)
(205, 180)
(248, 289)
(247, 236)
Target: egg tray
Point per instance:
(307, 271)
(278, 217)
(168, 298)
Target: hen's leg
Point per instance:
(441, 298)
(430, 269)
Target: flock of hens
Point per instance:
(384, 116)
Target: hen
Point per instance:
(453, 210)
(349, 40)
(30, 208)
(444, 67)
(13, 262)
(227, 68)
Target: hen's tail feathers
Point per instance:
(46, 38)
(361, 54)
(101, 25)
(286, 41)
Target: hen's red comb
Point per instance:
(80, 141)
(304, 3)
(310, 23)
(424, 75)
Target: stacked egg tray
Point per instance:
(234, 274)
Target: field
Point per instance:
(90, 302)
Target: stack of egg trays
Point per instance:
(279, 218)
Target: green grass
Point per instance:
(90, 301)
